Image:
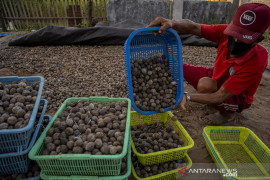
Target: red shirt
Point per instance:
(240, 76)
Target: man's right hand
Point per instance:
(184, 26)
(164, 23)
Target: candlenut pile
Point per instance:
(147, 171)
(17, 102)
(153, 86)
(33, 171)
(88, 127)
(149, 138)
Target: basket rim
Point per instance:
(33, 137)
(32, 178)
(190, 144)
(188, 162)
(30, 124)
(216, 153)
(129, 80)
(208, 128)
(32, 154)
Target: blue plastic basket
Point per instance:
(18, 162)
(142, 44)
(12, 140)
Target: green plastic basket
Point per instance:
(80, 164)
(238, 152)
(170, 175)
(161, 156)
(120, 177)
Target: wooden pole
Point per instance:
(100, 8)
(37, 14)
(16, 12)
(2, 22)
(63, 11)
(105, 12)
(94, 6)
(90, 5)
(73, 12)
(15, 23)
(85, 13)
(66, 7)
(8, 12)
(49, 11)
(82, 9)
(41, 15)
(27, 12)
(22, 14)
(57, 13)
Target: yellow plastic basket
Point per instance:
(161, 156)
(238, 152)
(170, 175)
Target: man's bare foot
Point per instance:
(220, 118)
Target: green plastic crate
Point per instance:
(170, 175)
(80, 164)
(238, 151)
(161, 156)
(120, 177)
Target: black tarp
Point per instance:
(98, 35)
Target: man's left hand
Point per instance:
(183, 102)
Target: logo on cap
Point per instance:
(247, 37)
(247, 18)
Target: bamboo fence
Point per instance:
(35, 14)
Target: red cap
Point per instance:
(251, 20)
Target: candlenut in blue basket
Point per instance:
(17, 102)
(153, 86)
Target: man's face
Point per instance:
(237, 40)
(238, 47)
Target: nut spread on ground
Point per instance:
(147, 171)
